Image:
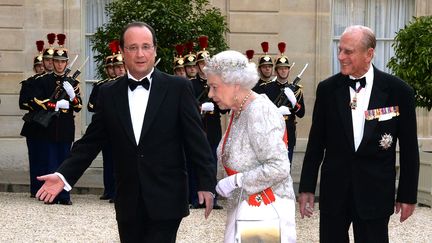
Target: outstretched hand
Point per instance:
(207, 197)
(52, 186)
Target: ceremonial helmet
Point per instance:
(38, 59)
(250, 54)
(282, 60)
(190, 58)
(49, 52)
(266, 58)
(108, 61)
(178, 58)
(61, 53)
(117, 57)
(203, 53)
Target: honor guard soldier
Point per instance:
(38, 67)
(59, 96)
(118, 63)
(265, 69)
(33, 132)
(47, 56)
(109, 71)
(178, 63)
(287, 96)
(190, 61)
(108, 163)
(210, 112)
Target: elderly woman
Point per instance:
(253, 151)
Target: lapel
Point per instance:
(122, 106)
(158, 91)
(343, 100)
(378, 99)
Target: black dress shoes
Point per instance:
(60, 201)
(105, 197)
(217, 207)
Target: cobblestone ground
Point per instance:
(24, 219)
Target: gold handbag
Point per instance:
(256, 230)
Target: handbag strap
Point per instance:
(239, 203)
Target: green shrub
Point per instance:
(413, 58)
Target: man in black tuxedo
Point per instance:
(153, 125)
(353, 138)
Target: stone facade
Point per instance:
(305, 26)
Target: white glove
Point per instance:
(283, 110)
(226, 186)
(69, 90)
(62, 104)
(207, 106)
(290, 94)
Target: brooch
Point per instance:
(386, 141)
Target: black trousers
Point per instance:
(143, 229)
(334, 227)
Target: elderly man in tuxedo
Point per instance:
(153, 124)
(359, 116)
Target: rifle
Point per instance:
(281, 99)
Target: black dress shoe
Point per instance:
(217, 207)
(105, 197)
(64, 202)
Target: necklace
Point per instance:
(242, 103)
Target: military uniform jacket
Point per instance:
(92, 102)
(260, 86)
(274, 90)
(29, 129)
(211, 120)
(61, 128)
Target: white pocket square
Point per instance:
(386, 117)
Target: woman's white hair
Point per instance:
(233, 67)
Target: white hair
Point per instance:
(233, 68)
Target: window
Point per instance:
(384, 17)
(94, 17)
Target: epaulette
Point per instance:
(42, 75)
(101, 82)
(299, 91)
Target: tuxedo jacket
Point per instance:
(151, 174)
(365, 178)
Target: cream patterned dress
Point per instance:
(255, 147)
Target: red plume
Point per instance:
(281, 47)
(180, 49)
(249, 54)
(114, 46)
(40, 45)
(265, 46)
(203, 42)
(51, 38)
(61, 39)
(190, 46)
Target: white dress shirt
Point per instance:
(138, 100)
(363, 97)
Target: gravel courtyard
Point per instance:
(24, 219)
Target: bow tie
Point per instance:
(133, 84)
(353, 82)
